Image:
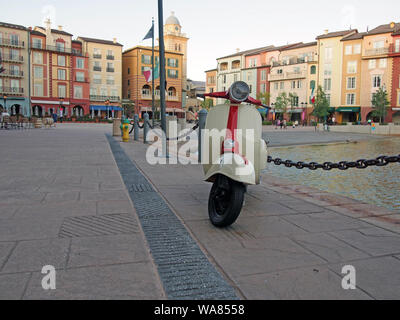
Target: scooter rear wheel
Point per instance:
(225, 201)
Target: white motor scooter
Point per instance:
(233, 152)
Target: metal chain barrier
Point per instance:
(196, 126)
(342, 165)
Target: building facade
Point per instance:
(136, 61)
(105, 76)
(211, 82)
(394, 53)
(14, 78)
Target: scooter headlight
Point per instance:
(239, 91)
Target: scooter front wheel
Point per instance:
(225, 201)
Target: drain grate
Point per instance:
(88, 226)
(185, 271)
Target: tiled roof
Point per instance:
(336, 34)
(355, 36)
(300, 45)
(246, 52)
(13, 26)
(101, 41)
(215, 69)
(385, 28)
(37, 33)
(55, 31)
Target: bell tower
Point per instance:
(176, 41)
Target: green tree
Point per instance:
(264, 97)
(281, 103)
(321, 105)
(380, 103)
(206, 104)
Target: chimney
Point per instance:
(60, 28)
(115, 40)
(326, 31)
(237, 50)
(47, 24)
(392, 25)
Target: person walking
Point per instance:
(61, 115)
(54, 116)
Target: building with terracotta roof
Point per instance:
(14, 65)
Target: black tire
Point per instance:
(225, 201)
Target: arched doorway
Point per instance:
(37, 111)
(171, 92)
(146, 90)
(371, 117)
(77, 111)
(15, 110)
(396, 117)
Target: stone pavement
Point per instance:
(63, 203)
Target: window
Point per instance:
(328, 97)
(379, 44)
(328, 53)
(328, 69)
(357, 49)
(352, 67)
(293, 85)
(93, 91)
(96, 53)
(327, 84)
(350, 99)
(263, 88)
(312, 84)
(372, 64)
(61, 61)
(129, 70)
(38, 72)
(282, 86)
(263, 74)
(249, 76)
(172, 73)
(295, 101)
(37, 43)
(348, 50)
(397, 45)
(14, 39)
(351, 83)
(114, 92)
(80, 63)
(80, 76)
(172, 62)
(383, 63)
(38, 90)
(299, 84)
(60, 46)
(172, 92)
(110, 54)
(279, 71)
(276, 85)
(251, 88)
(146, 59)
(37, 57)
(78, 92)
(110, 67)
(313, 70)
(398, 99)
(376, 81)
(97, 66)
(129, 82)
(110, 80)
(235, 77)
(61, 74)
(97, 79)
(62, 91)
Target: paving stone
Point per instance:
(12, 286)
(104, 195)
(329, 248)
(97, 251)
(60, 197)
(379, 277)
(389, 222)
(128, 281)
(7, 211)
(310, 283)
(114, 206)
(5, 250)
(361, 210)
(299, 206)
(374, 240)
(325, 221)
(34, 255)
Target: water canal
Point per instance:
(375, 185)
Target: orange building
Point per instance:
(211, 82)
(135, 88)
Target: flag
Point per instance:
(148, 74)
(312, 96)
(149, 34)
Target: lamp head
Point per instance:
(239, 91)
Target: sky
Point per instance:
(215, 27)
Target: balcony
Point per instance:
(96, 56)
(110, 57)
(12, 73)
(59, 49)
(11, 90)
(12, 43)
(146, 96)
(173, 98)
(376, 52)
(77, 52)
(294, 61)
(110, 82)
(110, 69)
(96, 68)
(11, 58)
(287, 76)
(83, 80)
(393, 49)
(104, 98)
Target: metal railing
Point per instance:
(76, 52)
(287, 76)
(59, 49)
(77, 79)
(12, 73)
(96, 68)
(12, 43)
(96, 56)
(104, 98)
(9, 57)
(11, 90)
(110, 57)
(110, 70)
(110, 82)
(377, 52)
(394, 49)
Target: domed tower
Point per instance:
(175, 40)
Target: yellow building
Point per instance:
(330, 61)
(135, 88)
(105, 73)
(350, 107)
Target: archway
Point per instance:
(171, 92)
(371, 117)
(77, 111)
(15, 110)
(37, 111)
(146, 90)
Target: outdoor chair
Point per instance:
(13, 122)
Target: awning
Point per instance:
(348, 109)
(295, 111)
(263, 110)
(396, 109)
(331, 110)
(105, 108)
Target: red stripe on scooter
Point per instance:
(232, 124)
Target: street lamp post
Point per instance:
(107, 104)
(61, 108)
